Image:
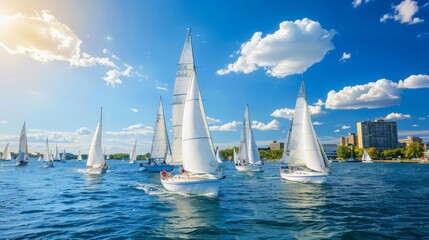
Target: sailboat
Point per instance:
(220, 160)
(160, 153)
(200, 173)
(306, 159)
(63, 157)
(56, 156)
(6, 156)
(366, 158)
(47, 157)
(79, 156)
(22, 158)
(96, 163)
(133, 155)
(40, 158)
(235, 156)
(248, 155)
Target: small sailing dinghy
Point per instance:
(248, 155)
(366, 158)
(96, 163)
(22, 158)
(200, 173)
(47, 156)
(133, 156)
(6, 156)
(79, 156)
(160, 153)
(57, 157)
(306, 159)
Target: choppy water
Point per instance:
(359, 201)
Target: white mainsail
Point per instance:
(248, 150)
(79, 156)
(133, 155)
(23, 147)
(63, 157)
(96, 156)
(305, 148)
(160, 143)
(56, 154)
(185, 70)
(46, 154)
(235, 157)
(198, 153)
(219, 157)
(6, 153)
(366, 157)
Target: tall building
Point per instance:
(276, 145)
(410, 139)
(379, 134)
(351, 139)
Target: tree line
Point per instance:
(413, 150)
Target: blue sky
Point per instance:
(61, 61)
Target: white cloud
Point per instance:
(404, 12)
(115, 57)
(127, 71)
(231, 126)
(345, 57)
(36, 135)
(137, 129)
(315, 110)
(357, 3)
(414, 125)
(162, 89)
(345, 127)
(273, 125)
(105, 50)
(212, 120)
(109, 38)
(112, 77)
(415, 81)
(422, 118)
(45, 39)
(317, 123)
(413, 132)
(397, 116)
(292, 49)
(337, 130)
(83, 131)
(134, 109)
(3, 122)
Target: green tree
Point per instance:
(373, 152)
(343, 152)
(414, 150)
(358, 152)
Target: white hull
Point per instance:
(132, 162)
(303, 176)
(201, 186)
(158, 168)
(249, 168)
(367, 161)
(96, 170)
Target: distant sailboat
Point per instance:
(306, 158)
(248, 155)
(133, 155)
(366, 158)
(235, 156)
(96, 163)
(200, 174)
(220, 160)
(160, 153)
(40, 158)
(22, 158)
(57, 157)
(47, 157)
(63, 157)
(79, 156)
(6, 156)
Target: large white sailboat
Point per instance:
(6, 156)
(200, 173)
(160, 153)
(47, 156)
(248, 155)
(57, 157)
(22, 158)
(79, 156)
(306, 159)
(133, 155)
(96, 163)
(366, 158)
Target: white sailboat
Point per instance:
(248, 155)
(235, 156)
(96, 163)
(200, 174)
(306, 158)
(133, 155)
(57, 155)
(79, 156)
(160, 153)
(22, 158)
(6, 156)
(47, 157)
(63, 157)
(220, 160)
(40, 158)
(366, 158)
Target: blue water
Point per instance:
(359, 201)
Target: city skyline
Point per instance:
(60, 62)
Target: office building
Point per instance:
(379, 134)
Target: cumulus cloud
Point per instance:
(315, 110)
(113, 77)
(227, 127)
(134, 109)
(45, 39)
(317, 123)
(337, 130)
(415, 81)
(273, 125)
(345, 127)
(83, 131)
(3, 122)
(212, 120)
(105, 50)
(357, 3)
(292, 49)
(397, 116)
(136, 129)
(109, 38)
(404, 12)
(345, 57)
(36, 135)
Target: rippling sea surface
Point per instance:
(359, 201)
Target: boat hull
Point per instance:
(249, 168)
(305, 177)
(159, 168)
(49, 164)
(96, 170)
(21, 163)
(367, 161)
(202, 186)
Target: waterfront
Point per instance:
(359, 201)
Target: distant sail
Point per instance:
(96, 156)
